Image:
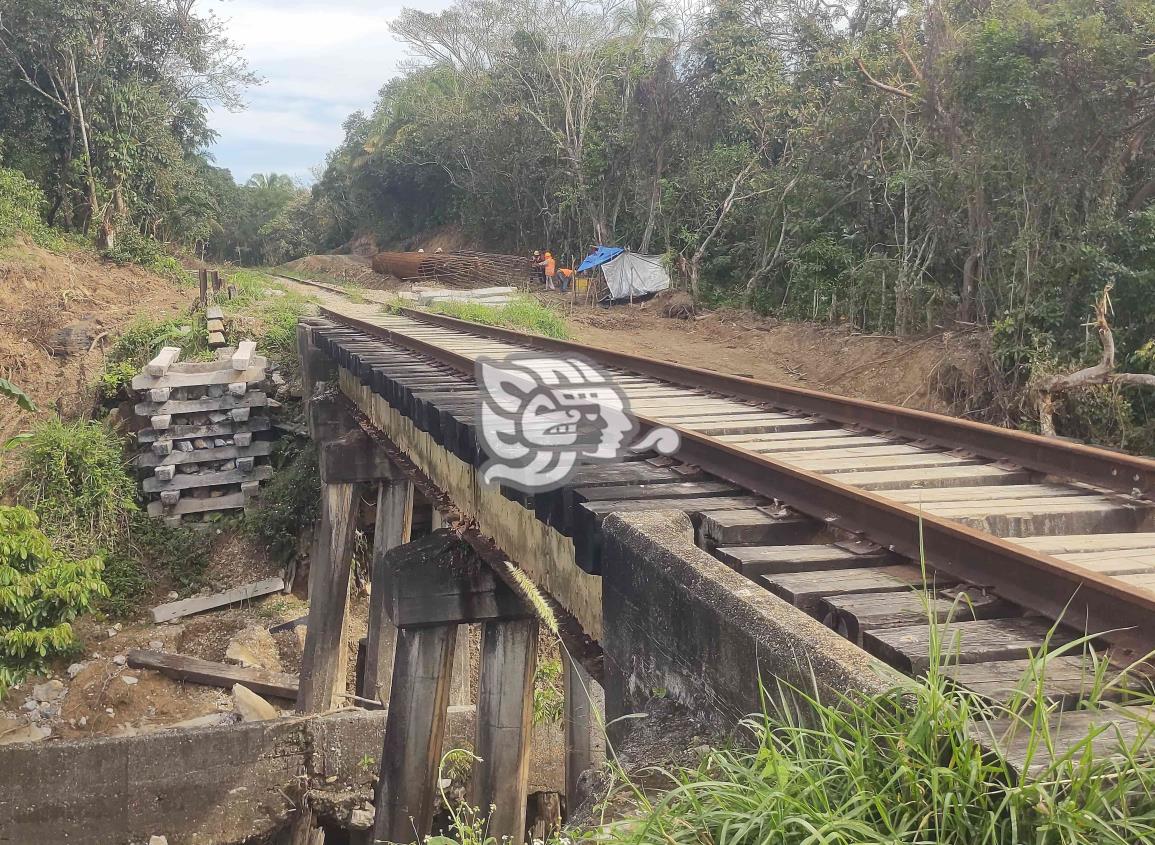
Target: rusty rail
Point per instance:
(1122, 615)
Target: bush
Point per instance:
(522, 313)
(41, 592)
(131, 247)
(21, 203)
(75, 477)
(153, 552)
(290, 502)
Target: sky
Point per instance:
(321, 60)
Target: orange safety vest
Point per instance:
(550, 265)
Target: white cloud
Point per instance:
(320, 63)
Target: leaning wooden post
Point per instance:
(414, 734)
(203, 283)
(429, 588)
(504, 725)
(348, 463)
(394, 521)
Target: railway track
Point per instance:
(831, 503)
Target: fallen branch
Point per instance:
(1101, 373)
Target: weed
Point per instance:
(180, 554)
(131, 247)
(290, 502)
(142, 340)
(521, 313)
(41, 592)
(548, 692)
(75, 477)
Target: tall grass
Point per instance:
(912, 766)
(521, 313)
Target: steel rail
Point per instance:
(1115, 471)
(1118, 613)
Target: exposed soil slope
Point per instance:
(57, 315)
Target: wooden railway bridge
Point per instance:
(781, 543)
(795, 538)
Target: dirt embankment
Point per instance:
(58, 314)
(927, 373)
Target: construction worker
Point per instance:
(565, 276)
(538, 267)
(549, 266)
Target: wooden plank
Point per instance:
(720, 425)
(815, 463)
(192, 432)
(854, 613)
(217, 365)
(211, 673)
(1073, 543)
(258, 448)
(217, 326)
(982, 641)
(214, 312)
(927, 477)
(414, 734)
(242, 359)
(216, 339)
(225, 376)
(229, 501)
(754, 525)
(251, 399)
(753, 561)
(990, 493)
(199, 604)
(1066, 680)
(504, 726)
(159, 365)
(392, 528)
(185, 481)
(805, 589)
(1105, 733)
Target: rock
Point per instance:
(173, 594)
(130, 680)
(158, 645)
(120, 660)
(29, 705)
(82, 722)
(75, 669)
(360, 819)
(220, 441)
(74, 338)
(250, 706)
(15, 730)
(209, 720)
(254, 647)
(184, 446)
(48, 710)
(49, 691)
(158, 840)
(112, 632)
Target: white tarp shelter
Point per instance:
(629, 275)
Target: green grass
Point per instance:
(523, 313)
(906, 767)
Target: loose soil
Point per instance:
(41, 293)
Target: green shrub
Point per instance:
(74, 476)
(21, 204)
(521, 313)
(131, 247)
(41, 592)
(290, 502)
(153, 553)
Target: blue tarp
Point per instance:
(599, 257)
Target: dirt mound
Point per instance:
(57, 315)
(676, 304)
(338, 269)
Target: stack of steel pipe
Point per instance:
(455, 269)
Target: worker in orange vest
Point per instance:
(565, 276)
(549, 268)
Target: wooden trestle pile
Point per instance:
(198, 422)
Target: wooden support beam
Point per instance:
(414, 733)
(504, 724)
(323, 661)
(353, 458)
(199, 604)
(584, 748)
(460, 686)
(159, 365)
(242, 358)
(394, 520)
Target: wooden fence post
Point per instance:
(394, 521)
